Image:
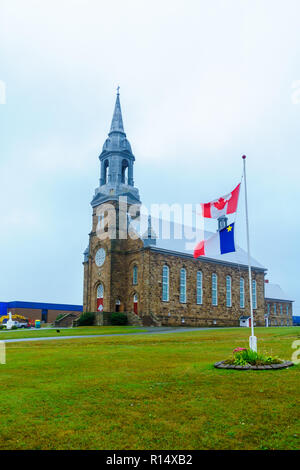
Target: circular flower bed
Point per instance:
(225, 365)
(245, 359)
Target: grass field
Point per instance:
(148, 392)
(87, 330)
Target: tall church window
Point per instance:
(100, 301)
(182, 286)
(214, 286)
(199, 288)
(100, 291)
(254, 299)
(124, 178)
(228, 291)
(280, 307)
(135, 275)
(242, 292)
(165, 283)
(275, 311)
(106, 171)
(287, 309)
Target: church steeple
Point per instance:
(117, 121)
(117, 159)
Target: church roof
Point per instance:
(274, 292)
(184, 246)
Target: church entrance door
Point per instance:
(118, 306)
(100, 292)
(135, 304)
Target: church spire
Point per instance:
(116, 159)
(117, 121)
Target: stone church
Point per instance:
(154, 279)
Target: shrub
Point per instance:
(118, 318)
(86, 319)
(2, 327)
(14, 327)
(243, 356)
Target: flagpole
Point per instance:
(252, 339)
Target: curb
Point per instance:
(283, 365)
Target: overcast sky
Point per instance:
(202, 82)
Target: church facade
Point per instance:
(158, 280)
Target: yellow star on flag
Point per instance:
(229, 228)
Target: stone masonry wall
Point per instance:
(278, 319)
(175, 313)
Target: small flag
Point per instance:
(224, 205)
(220, 243)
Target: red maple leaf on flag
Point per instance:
(220, 204)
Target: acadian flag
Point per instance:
(224, 205)
(220, 243)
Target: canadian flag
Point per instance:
(224, 205)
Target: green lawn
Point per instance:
(85, 330)
(148, 392)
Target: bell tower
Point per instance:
(105, 275)
(116, 164)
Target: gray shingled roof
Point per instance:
(274, 292)
(179, 246)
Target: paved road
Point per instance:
(154, 330)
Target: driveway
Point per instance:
(151, 330)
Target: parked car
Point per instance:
(20, 324)
(23, 324)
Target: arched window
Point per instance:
(199, 288)
(106, 171)
(214, 288)
(183, 286)
(165, 284)
(135, 275)
(280, 307)
(124, 178)
(287, 309)
(100, 291)
(275, 310)
(254, 300)
(268, 309)
(228, 291)
(242, 292)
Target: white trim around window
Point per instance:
(165, 283)
(228, 291)
(214, 289)
(254, 298)
(182, 296)
(242, 292)
(199, 288)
